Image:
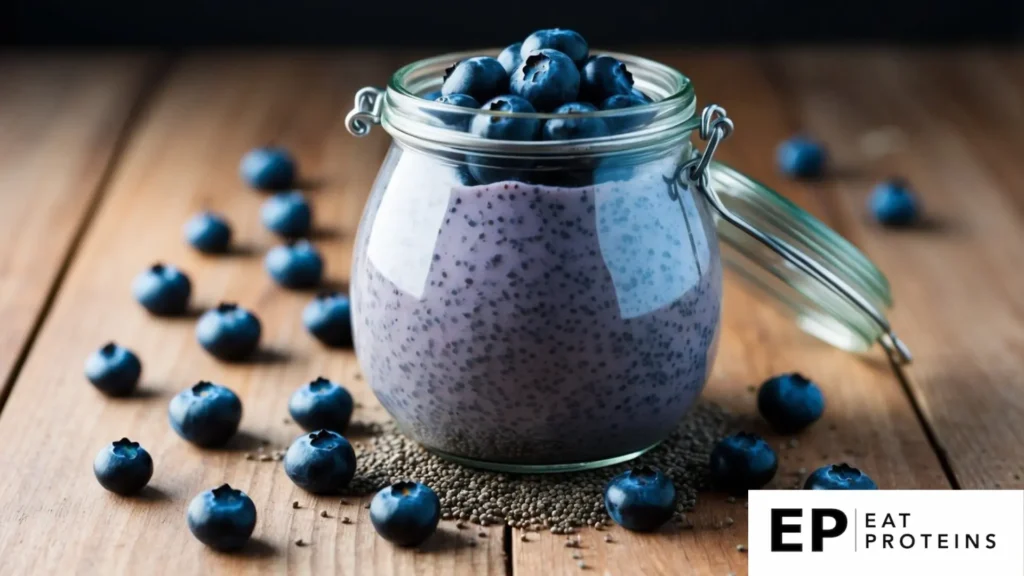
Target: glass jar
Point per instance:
(555, 305)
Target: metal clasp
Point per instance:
(366, 112)
(715, 126)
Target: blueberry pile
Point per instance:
(551, 71)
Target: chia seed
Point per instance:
(560, 503)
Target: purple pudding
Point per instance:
(522, 324)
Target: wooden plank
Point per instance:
(54, 517)
(958, 279)
(61, 119)
(869, 421)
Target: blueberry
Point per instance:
(604, 77)
(892, 203)
(114, 370)
(123, 467)
(329, 318)
(208, 232)
(322, 462)
(481, 77)
(405, 513)
(287, 214)
(574, 128)
(511, 57)
(628, 121)
(228, 332)
(321, 404)
(506, 127)
(458, 120)
(839, 477)
(565, 41)
(547, 79)
(163, 290)
(268, 168)
(742, 462)
(801, 157)
(488, 170)
(790, 403)
(295, 265)
(637, 93)
(640, 500)
(206, 414)
(222, 518)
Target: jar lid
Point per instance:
(828, 286)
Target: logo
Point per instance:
(886, 532)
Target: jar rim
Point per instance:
(407, 116)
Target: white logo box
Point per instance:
(904, 532)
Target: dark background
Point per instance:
(462, 23)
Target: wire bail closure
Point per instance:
(366, 112)
(716, 126)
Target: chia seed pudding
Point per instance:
(528, 324)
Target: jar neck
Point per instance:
(416, 122)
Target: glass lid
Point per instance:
(830, 288)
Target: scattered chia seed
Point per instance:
(295, 505)
(266, 458)
(286, 421)
(741, 548)
(751, 388)
(323, 514)
(460, 526)
(731, 499)
(581, 565)
(366, 506)
(250, 457)
(608, 538)
(576, 556)
(482, 534)
(560, 503)
(801, 471)
(300, 542)
(345, 520)
(729, 521)
(471, 543)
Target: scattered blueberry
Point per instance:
(892, 203)
(206, 414)
(547, 79)
(801, 157)
(742, 462)
(163, 290)
(208, 233)
(222, 518)
(329, 318)
(487, 170)
(574, 128)
(481, 77)
(295, 265)
(626, 122)
(405, 513)
(511, 57)
(123, 467)
(458, 120)
(603, 77)
(321, 404)
(640, 500)
(839, 477)
(790, 403)
(228, 332)
(565, 41)
(268, 168)
(114, 370)
(321, 462)
(287, 214)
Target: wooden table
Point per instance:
(102, 159)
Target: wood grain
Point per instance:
(61, 119)
(54, 517)
(869, 421)
(958, 278)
